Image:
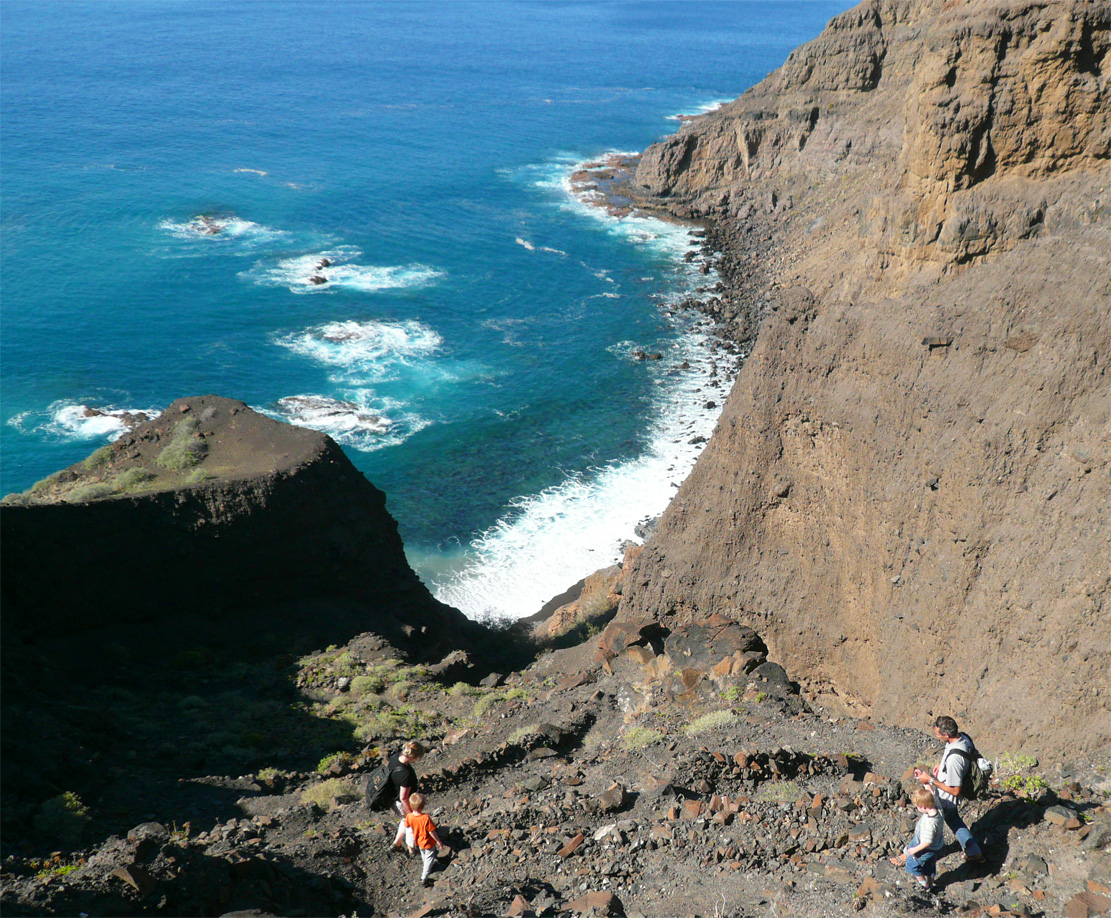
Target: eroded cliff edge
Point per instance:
(214, 520)
(909, 491)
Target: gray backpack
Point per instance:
(977, 776)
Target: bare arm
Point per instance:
(929, 780)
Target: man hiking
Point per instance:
(945, 781)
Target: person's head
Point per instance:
(946, 728)
(921, 798)
(416, 802)
(412, 750)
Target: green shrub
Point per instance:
(403, 721)
(711, 721)
(1013, 763)
(1028, 785)
(483, 705)
(640, 737)
(184, 450)
(197, 476)
(98, 459)
(368, 685)
(462, 689)
(92, 491)
(334, 789)
(45, 484)
(343, 758)
(778, 792)
(52, 869)
(63, 818)
(523, 733)
(132, 479)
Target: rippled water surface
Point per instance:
(356, 217)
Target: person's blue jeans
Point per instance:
(956, 825)
(923, 864)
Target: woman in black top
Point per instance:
(404, 777)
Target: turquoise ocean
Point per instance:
(472, 345)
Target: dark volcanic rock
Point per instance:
(264, 516)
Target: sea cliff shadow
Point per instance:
(169, 723)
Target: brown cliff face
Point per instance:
(213, 514)
(909, 491)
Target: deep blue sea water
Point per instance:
(472, 346)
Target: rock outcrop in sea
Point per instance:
(909, 491)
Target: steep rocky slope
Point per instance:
(216, 511)
(209, 538)
(680, 776)
(909, 491)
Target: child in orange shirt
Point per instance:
(423, 833)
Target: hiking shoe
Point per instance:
(975, 858)
(426, 882)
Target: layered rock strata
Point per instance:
(909, 491)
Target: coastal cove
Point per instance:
(472, 347)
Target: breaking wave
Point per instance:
(355, 422)
(70, 420)
(337, 268)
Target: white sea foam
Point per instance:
(509, 328)
(259, 172)
(71, 420)
(365, 352)
(357, 422)
(547, 541)
(671, 240)
(534, 248)
(243, 237)
(703, 108)
(336, 268)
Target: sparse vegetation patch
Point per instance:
(185, 449)
(63, 818)
(711, 721)
(641, 737)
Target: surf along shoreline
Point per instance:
(544, 541)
